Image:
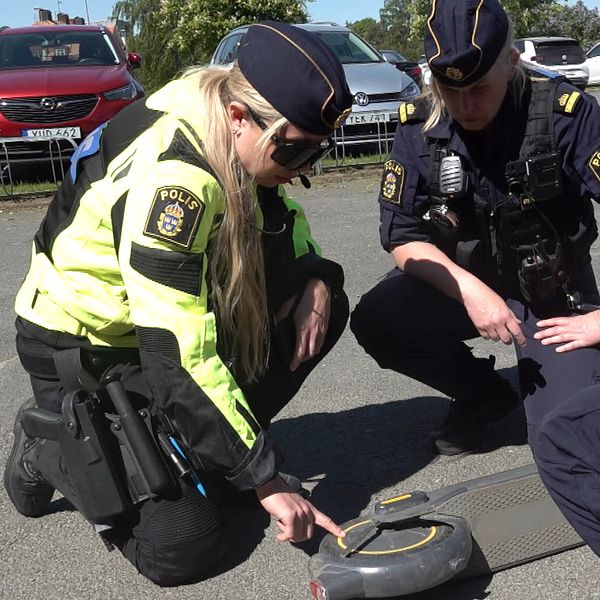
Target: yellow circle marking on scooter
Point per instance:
(396, 499)
(341, 544)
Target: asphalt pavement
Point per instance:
(354, 433)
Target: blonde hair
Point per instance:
(436, 105)
(238, 290)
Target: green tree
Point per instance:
(403, 22)
(173, 34)
(396, 18)
(527, 15)
(147, 23)
(576, 21)
(369, 29)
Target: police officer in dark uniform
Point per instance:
(173, 273)
(486, 209)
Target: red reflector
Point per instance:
(318, 591)
(416, 71)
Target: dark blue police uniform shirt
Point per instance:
(404, 197)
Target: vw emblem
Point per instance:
(361, 99)
(48, 103)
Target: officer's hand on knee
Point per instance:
(570, 333)
(492, 317)
(296, 516)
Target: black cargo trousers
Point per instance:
(180, 539)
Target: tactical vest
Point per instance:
(525, 245)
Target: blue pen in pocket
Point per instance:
(180, 461)
(193, 475)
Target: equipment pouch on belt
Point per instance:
(473, 249)
(540, 272)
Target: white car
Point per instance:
(560, 54)
(593, 63)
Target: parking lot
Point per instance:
(354, 433)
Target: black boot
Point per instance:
(25, 487)
(464, 428)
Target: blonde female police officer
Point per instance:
(172, 243)
(486, 209)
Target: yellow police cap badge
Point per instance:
(455, 74)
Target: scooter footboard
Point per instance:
(512, 521)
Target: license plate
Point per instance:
(366, 118)
(66, 132)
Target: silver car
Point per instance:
(377, 86)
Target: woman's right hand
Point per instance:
(295, 515)
(491, 315)
(487, 310)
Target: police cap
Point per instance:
(298, 74)
(463, 39)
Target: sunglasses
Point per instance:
(292, 155)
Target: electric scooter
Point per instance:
(416, 541)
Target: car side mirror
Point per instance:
(134, 60)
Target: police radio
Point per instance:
(450, 182)
(541, 273)
(452, 177)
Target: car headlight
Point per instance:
(410, 91)
(127, 92)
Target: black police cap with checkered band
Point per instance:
(463, 39)
(298, 74)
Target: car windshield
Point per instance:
(393, 55)
(594, 51)
(56, 49)
(559, 53)
(348, 47)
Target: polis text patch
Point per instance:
(174, 216)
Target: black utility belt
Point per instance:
(37, 357)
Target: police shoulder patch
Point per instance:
(412, 112)
(594, 164)
(174, 216)
(566, 99)
(392, 182)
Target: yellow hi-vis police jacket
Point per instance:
(120, 259)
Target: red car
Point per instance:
(57, 84)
